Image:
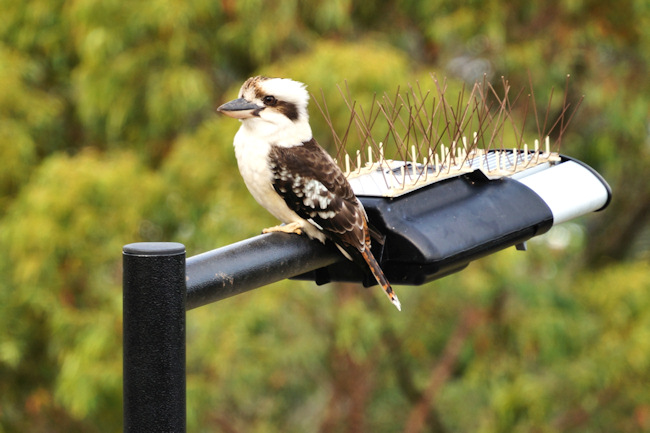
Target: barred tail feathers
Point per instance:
(380, 277)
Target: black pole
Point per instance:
(154, 337)
(253, 263)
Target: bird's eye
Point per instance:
(270, 100)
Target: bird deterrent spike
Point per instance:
(358, 170)
(488, 113)
(414, 161)
(547, 143)
(527, 159)
(347, 164)
(425, 163)
(452, 151)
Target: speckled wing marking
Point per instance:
(315, 188)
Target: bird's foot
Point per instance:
(285, 228)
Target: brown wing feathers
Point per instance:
(316, 189)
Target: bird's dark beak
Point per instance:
(240, 109)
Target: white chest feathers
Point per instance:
(252, 158)
(252, 155)
(252, 149)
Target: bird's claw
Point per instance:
(285, 228)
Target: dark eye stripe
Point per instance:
(288, 109)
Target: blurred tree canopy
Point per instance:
(108, 136)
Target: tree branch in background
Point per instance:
(351, 380)
(420, 412)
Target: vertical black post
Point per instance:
(154, 337)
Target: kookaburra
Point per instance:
(290, 175)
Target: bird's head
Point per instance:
(272, 104)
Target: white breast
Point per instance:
(252, 154)
(252, 159)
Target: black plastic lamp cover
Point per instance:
(440, 228)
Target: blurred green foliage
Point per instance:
(108, 136)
